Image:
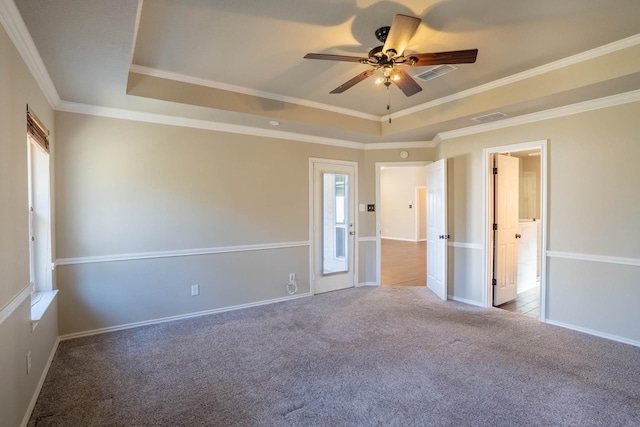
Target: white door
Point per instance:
(437, 228)
(333, 226)
(506, 204)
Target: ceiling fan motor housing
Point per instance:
(382, 33)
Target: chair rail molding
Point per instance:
(179, 253)
(11, 306)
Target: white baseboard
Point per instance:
(367, 284)
(464, 300)
(593, 332)
(36, 393)
(179, 317)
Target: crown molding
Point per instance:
(392, 145)
(153, 72)
(136, 27)
(118, 113)
(567, 110)
(15, 27)
(556, 65)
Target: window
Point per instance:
(335, 213)
(39, 206)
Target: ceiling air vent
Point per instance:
(489, 117)
(435, 72)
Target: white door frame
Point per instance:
(312, 246)
(487, 289)
(379, 166)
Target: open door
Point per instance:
(333, 226)
(505, 225)
(437, 228)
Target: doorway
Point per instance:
(515, 212)
(332, 213)
(401, 223)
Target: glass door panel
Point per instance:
(335, 214)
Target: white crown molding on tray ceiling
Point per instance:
(118, 113)
(553, 113)
(555, 65)
(154, 72)
(15, 27)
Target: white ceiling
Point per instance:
(256, 48)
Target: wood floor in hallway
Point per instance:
(404, 263)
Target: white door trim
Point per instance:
(487, 289)
(379, 166)
(312, 246)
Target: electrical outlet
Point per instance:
(195, 290)
(28, 362)
(292, 277)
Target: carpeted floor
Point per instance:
(392, 356)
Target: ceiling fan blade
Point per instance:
(402, 29)
(406, 83)
(357, 79)
(333, 57)
(439, 58)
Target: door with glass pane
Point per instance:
(333, 226)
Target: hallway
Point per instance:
(404, 263)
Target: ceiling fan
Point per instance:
(390, 58)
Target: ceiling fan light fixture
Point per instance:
(390, 58)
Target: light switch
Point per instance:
(361, 207)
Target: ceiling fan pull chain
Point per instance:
(389, 103)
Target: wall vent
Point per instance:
(435, 72)
(489, 117)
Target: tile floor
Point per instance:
(527, 303)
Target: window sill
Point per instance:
(39, 308)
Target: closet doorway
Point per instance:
(516, 236)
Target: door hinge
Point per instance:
(495, 227)
(494, 282)
(495, 171)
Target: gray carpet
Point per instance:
(361, 357)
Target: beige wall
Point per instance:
(592, 210)
(18, 89)
(126, 187)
